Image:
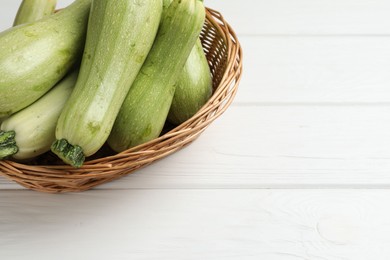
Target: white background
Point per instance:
(297, 168)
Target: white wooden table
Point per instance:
(297, 168)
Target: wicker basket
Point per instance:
(224, 54)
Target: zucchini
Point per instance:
(194, 85)
(33, 10)
(144, 111)
(35, 56)
(31, 131)
(193, 88)
(120, 35)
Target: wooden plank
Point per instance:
(196, 224)
(278, 147)
(308, 17)
(314, 70)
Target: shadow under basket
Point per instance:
(47, 174)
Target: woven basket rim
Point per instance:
(46, 177)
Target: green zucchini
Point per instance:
(194, 85)
(31, 131)
(193, 88)
(35, 56)
(33, 10)
(120, 35)
(145, 109)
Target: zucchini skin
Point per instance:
(194, 85)
(34, 126)
(145, 109)
(34, 144)
(120, 35)
(193, 88)
(33, 10)
(35, 56)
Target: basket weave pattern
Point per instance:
(224, 53)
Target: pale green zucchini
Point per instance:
(146, 106)
(120, 35)
(193, 87)
(33, 10)
(35, 56)
(30, 11)
(31, 131)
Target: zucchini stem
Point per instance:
(70, 154)
(8, 145)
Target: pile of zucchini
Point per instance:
(98, 72)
